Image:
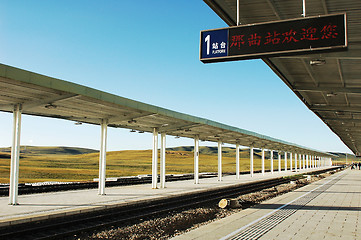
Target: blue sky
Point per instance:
(146, 51)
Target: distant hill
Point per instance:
(342, 156)
(50, 150)
(203, 150)
(245, 152)
(225, 150)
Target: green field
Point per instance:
(39, 164)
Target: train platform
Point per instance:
(326, 209)
(36, 207)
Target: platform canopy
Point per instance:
(328, 83)
(49, 97)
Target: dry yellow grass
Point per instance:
(84, 167)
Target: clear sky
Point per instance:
(147, 51)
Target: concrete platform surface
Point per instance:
(51, 205)
(327, 209)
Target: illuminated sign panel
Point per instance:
(274, 38)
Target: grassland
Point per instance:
(39, 164)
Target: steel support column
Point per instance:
(291, 167)
(15, 156)
(271, 161)
(313, 162)
(162, 159)
(196, 160)
(279, 161)
(219, 160)
(263, 168)
(307, 162)
(251, 160)
(303, 161)
(285, 161)
(238, 7)
(102, 157)
(237, 161)
(155, 159)
(299, 162)
(295, 162)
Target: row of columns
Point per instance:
(301, 161)
(307, 161)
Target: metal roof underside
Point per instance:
(49, 97)
(333, 90)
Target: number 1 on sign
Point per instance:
(208, 41)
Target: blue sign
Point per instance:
(297, 36)
(214, 43)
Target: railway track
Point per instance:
(71, 225)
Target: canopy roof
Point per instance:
(49, 97)
(332, 89)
